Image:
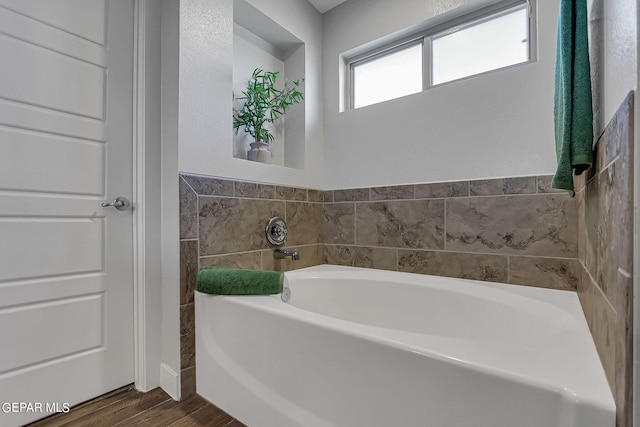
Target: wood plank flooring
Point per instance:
(128, 407)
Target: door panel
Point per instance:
(82, 18)
(64, 164)
(66, 131)
(60, 315)
(56, 246)
(72, 85)
(51, 121)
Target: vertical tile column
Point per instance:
(605, 251)
(188, 274)
(222, 224)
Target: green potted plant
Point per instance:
(264, 104)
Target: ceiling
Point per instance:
(324, 5)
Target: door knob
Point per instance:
(120, 203)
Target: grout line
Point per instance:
(604, 168)
(449, 197)
(256, 198)
(597, 285)
(261, 260)
(252, 251)
(355, 222)
(444, 244)
(451, 251)
(198, 230)
(188, 185)
(397, 260)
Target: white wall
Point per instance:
(170, 32)
(206, 67)
(148, 214)
(613, 54)
(495, 125)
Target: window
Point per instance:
(388, 75)
(476, 43)
(497, 42)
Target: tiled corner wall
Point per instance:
(512, 230)
(605, 217)
(222, 223)
(515, 230)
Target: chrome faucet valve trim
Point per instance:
(276, 231)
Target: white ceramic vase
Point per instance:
(259, 152)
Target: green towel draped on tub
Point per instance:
(573, 115)
(231, 281)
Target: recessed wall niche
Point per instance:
(259, 41)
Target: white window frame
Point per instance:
(426, 35)
(381, 53)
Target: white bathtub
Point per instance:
(361, 347)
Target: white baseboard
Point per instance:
(170, 381)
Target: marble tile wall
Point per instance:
(605, 233)
(513, 230)
(222, 224)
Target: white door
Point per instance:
(66, 275)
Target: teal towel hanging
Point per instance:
(573, 114)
